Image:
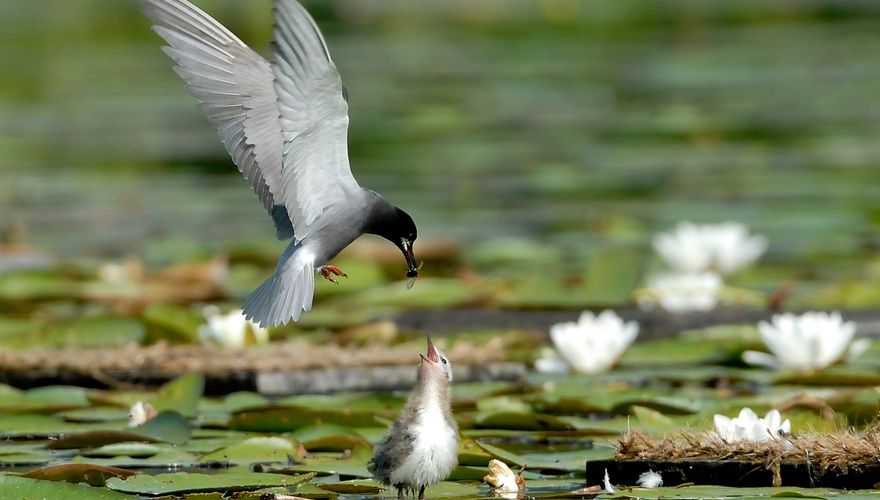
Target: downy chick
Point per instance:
(422, 446)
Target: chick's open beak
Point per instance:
(412, 272)
(431, 355)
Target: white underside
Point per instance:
(435, 451)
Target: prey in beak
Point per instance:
(412, 273)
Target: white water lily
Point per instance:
(806, 342)
(650, 479)
(695, 248)
(679, 293)
(503, 481)
(231, 329)
(747, 426)
(139, 413)
(550, 362)
(594, 343)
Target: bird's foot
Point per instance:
(329, 270)
(422, 493)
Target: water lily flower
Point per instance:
(594, 343)
(808, 342)
(503, 481)
(679, 293)
(139, 413)
(747, 426)
(550, 362)
(230, 330)
(695, 248)
(650, 479)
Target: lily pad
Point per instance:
(168, 426)
(523, 421)
(94, 475)
(256, 449)
(330, 437)
(181, 394)
(188, 482)
(291, 418)
(23, 488)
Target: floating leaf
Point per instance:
(23, 488)
(526, 421)
(168, 426)
(291, 418)
(256, 449)
(330, 437)
(94, 475)
(612, 275)
(181, 394)
(188, 482)
(355, 487)
(96, 332)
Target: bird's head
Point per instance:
(435, 361)
(397, 226)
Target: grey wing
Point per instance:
(235, 89)
(391, 453)
(314, 120)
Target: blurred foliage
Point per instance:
(575, 122)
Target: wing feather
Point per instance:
(314, 120)
(235, 89)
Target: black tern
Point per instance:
(285, 125)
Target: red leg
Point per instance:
(329, 270)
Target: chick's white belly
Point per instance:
(434, 454)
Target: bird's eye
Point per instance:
(443, 360)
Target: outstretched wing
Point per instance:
(235, 89)
(314, 120)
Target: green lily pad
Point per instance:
(172, 322)
(23, 488)
(526, 421)
(612, 275)
(181, 395)
(34, 426)
(291, 418)
(325, 465)
(168, 426)
(94, 475)
(255, 449)
(35, 285)
(96, 332)
(188, 482)
(127, 449)
(354, 487)
(166, 458)
(49, 399)
(666, 405)
(330, 437)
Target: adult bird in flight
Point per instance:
(285, 125)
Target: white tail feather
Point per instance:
(287, 293)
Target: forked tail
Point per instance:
(287, 293)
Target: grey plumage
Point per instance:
(285, 125)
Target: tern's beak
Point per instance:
(412, 272)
